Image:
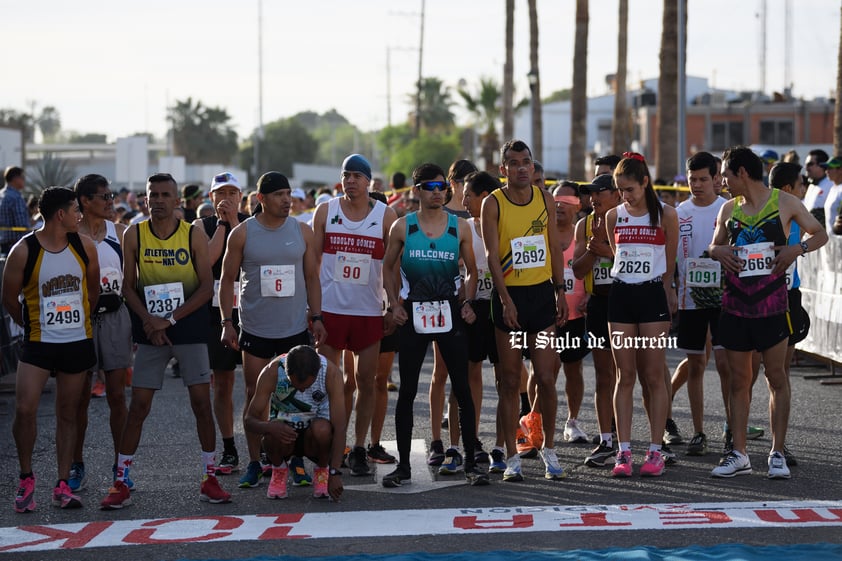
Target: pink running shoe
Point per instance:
(623, 465)
(278, 484)
(25, 499)
(320, 477)
(653, 466)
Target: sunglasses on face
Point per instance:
(431, 186)
(104, 196)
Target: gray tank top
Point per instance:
(269, 306)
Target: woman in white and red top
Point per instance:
(644, 236)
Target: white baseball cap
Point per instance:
(223, 179)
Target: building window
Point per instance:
(777, 133)
(726, 134)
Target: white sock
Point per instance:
(625, 447)
(209, 462)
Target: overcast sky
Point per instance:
(112, 67)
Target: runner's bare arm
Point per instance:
(92, 271)
(13, 282)
(391, 266)
(313, 283)
(230, 268)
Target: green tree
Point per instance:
(535, 84)
(486, 107)
(86, 138)
(336, 136)
(436, 102)
(428, 147)
(579, 97)
(14, 119)
(284, 141)
(508, 73)
(202, 134)
(558, 95)
(49, 122)
(51, 171)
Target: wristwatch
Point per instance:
(334, 471)
(804, 248)
(169, 318)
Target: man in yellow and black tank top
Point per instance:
(167, 283)
(526, 264)
(57, 271)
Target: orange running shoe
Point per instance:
(524, 445)
(532, 425)
(98, 390)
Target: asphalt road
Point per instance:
(167, 475)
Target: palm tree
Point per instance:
(508, 73)
(51, 171)
(535, 84)
(579, 94)
(666, 153)
(485, 106)
(620, 134)
(436, 115)
(837, 116)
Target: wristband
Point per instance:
(335, 472)
(317, 317)
(559, 287)
(226, 320)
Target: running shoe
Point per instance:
(78, 477)
(445, 422)
(791, 460)
(670, 457)
(402, 475)
(777, 466)
(653, 466)
(452, 462)
(698, 445)
(98, 389)
(753, 433)
(229, 463)
(300, 477)
(126, 479)
(734, 464)
(672, 435)
(358, 462)
(251, 478)
(622, 464)
(554, 471)
(436, 456)
(524, 445)
(475, 476)
(345, 454)
(498, 461)
(480, 455)
(63, 497)
(25, 499)
(391, 386)
(573, 433)
(211, 492)
(278, 483)
(601, 455)
(321, 476)
(513, 472)
(378, 454)
(118, 496)
(532, 426)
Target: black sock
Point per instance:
(228, 445)
(524, 404)
(25, 475)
